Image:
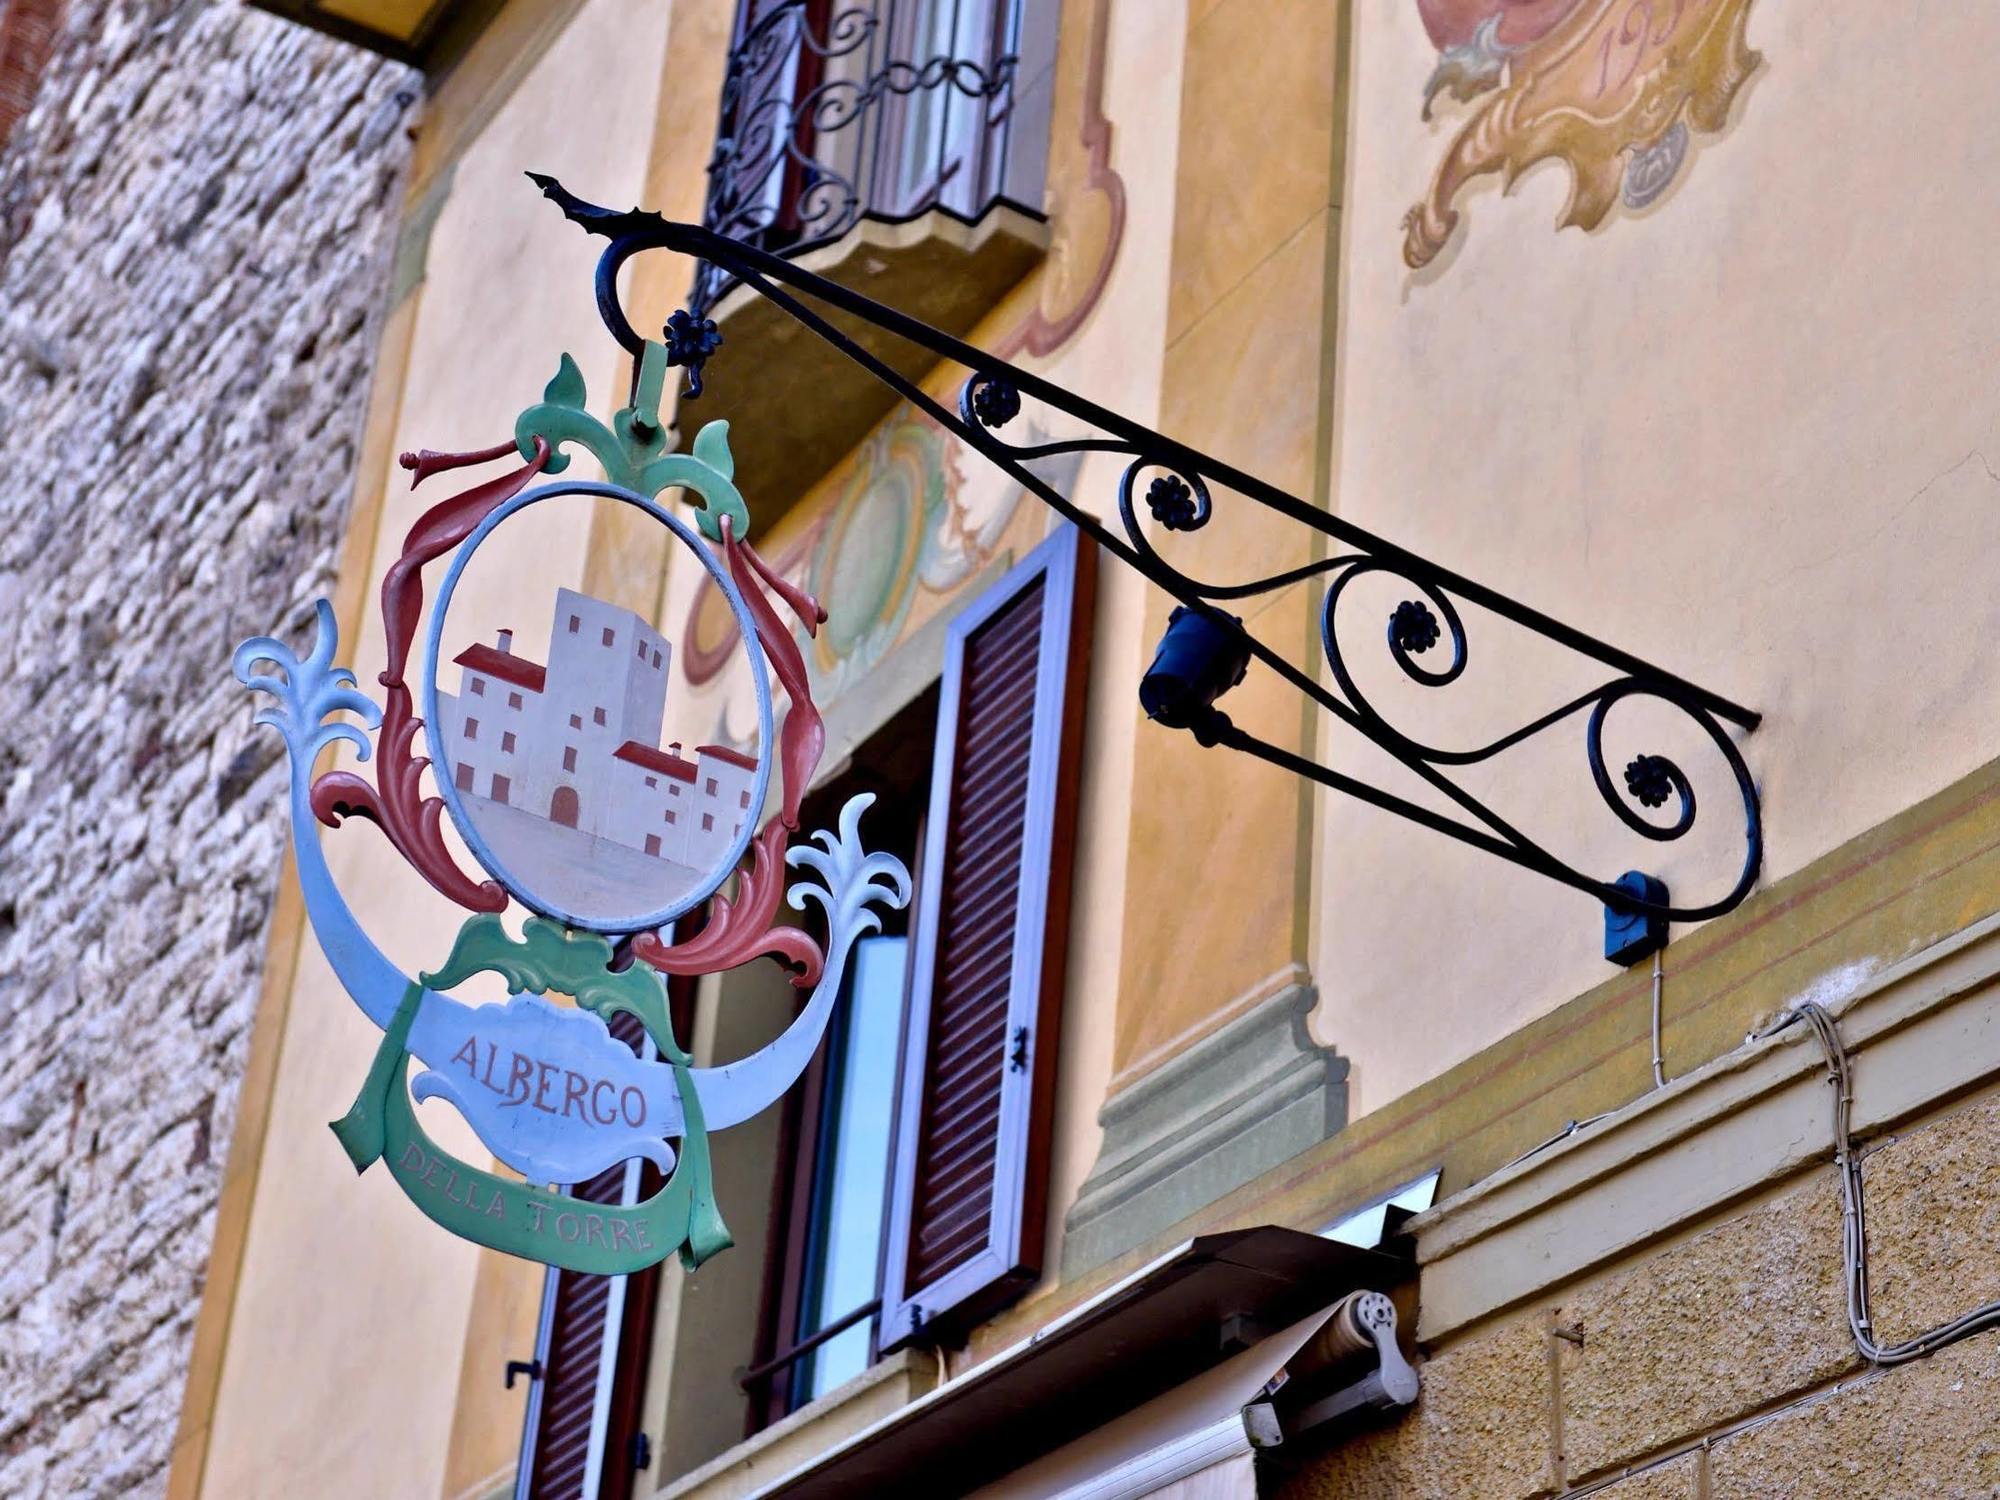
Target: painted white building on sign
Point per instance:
(574, 745)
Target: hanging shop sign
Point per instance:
(564, 781)
(559, 769)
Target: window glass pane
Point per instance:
(851, 1175)
(942, 126)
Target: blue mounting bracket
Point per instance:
(1630, 933)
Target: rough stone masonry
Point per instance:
(195, 225)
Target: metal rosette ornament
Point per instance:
(601, 834)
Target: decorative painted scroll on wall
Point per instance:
(897, 532)
(1620, 90)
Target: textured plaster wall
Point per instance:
(195, 220)
(1748, 434)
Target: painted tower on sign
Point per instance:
(563, 759)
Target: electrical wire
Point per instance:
(1568, 1130)
(1659, 1062)
(1854, 1222)
(1854, 1263)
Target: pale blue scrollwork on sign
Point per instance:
(852, 879)
(307, 693)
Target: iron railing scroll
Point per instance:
(835, 111)
(1425, 634)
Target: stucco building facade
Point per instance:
(1673, 322)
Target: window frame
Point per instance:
(1010, 1260)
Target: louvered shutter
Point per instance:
(577, 1314)
(971, 1158)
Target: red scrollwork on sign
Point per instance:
(396, 804)
(803, 738)
(744, 929)
(740, 931)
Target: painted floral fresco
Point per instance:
(1617, 89)
(901, 531)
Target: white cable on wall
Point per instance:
(1854, 1222)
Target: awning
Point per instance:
(1196, 1442)
(1185, 1316)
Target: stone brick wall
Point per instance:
(1736, 1333)
(195, 225)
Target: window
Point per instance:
(472, 729)
(501, 787)
(981, 775)
(828, 1163)
(513, 700)
(29, 31)
(569, 757)
(586, 1317)
(908, 1168)
(463, 778)
(743, 800)
(507, 742)
(708, 822)
(935, 140)
(575, 624)
(652, 782)
(642, 649)
(610, 636)
(652, 843)
(711, 786)
(674, 789)
(656, 658)
(843, 1210)
(597, 716)
(930, 117)
(479, 687)
(576, 721)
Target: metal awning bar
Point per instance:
(1213, 646)
(756, 1375)
(1163, 1325)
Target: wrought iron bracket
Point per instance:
(1180, 497)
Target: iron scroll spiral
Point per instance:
(1651, 779)
(1180, 498)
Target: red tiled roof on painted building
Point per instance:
(734, 757)
(504, 665)
(655, 760)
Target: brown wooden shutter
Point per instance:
(577, 1311)
(969, 1196)
(29, 30)
(575, 1314)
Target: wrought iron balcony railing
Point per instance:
(836, 111)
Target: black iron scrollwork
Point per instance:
(1179, 491)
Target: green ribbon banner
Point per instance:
(499, 1212)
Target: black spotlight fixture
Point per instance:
(1202, 656)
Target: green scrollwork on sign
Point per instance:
(516, 1217)
(551, 957)
(632, 450)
